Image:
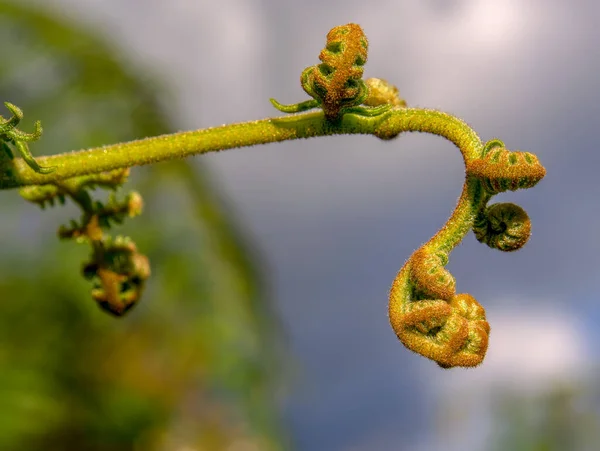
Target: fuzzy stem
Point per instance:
(16, 173)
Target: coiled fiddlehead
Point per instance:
(119, 272)
(116, 268)
(425, 311)
(501, 170)
(504, 226)
(336, 85)
(10, 135)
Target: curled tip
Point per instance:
(120, 274)
(37, 131)
(501, 169)
(491, 144)
(295, 108)
(503, 226)
(8, 125)
(452, 333)
(15, 110)
(429, 276)
(471, 351)
(278, 105)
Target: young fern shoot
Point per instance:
(10, 135)
(336, 85)
(425, 311)
(116, 269)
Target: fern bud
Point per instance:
(503, 226)
(500, 169)
(383, 93)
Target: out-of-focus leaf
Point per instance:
(193, 364)
(233, 295)
(558, 417)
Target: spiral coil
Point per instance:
(503, 226)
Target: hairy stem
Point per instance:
(16, 173)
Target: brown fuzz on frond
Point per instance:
(501, 170)
(337, 81)
(431, 320)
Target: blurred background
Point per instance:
(264, 324)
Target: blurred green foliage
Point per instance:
(562, 416)
(194, 365)
(558, 413)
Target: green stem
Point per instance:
(472, 199)
(15, 173)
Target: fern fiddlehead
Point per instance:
(336, 85)
(116, 269)
(425, 311)
(10, 135)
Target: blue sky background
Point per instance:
(335, 218)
